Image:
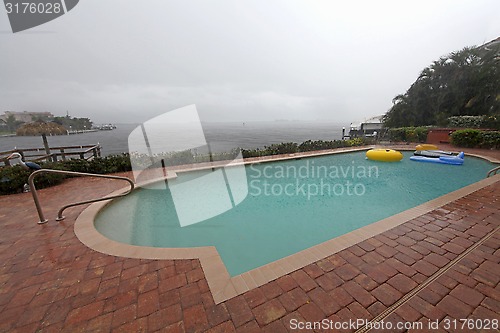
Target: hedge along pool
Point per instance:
(291, 205)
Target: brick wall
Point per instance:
(440, 135)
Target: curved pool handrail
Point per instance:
(493, 172)
(73, 173)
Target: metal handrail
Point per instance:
(60, 217)
(493, 171)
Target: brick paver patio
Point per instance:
(51, 282)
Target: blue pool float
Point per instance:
(453, 160)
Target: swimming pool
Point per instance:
(291, 206)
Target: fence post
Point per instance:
(63, 156)
(50, 158)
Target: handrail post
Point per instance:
(493, 171)
(59, 213)
(43, 220)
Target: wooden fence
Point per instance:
(87, 152)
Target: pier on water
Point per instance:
(70, 132)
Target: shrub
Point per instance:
(355, 142)
(465, 121)
(274, 149)
(411, 135)
(247, 153)
(491, 139)
(475, 138)
(397, 134)
(309, 145)
(100, 165)
(283, 148)
(421, 133)
(408, 134)
(468, 138)
(12, 179)
(492, 121)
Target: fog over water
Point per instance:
(220, 136)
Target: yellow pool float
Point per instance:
(426, 146)
(384, 155)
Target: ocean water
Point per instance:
(221, 136)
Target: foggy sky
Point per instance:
(127, 61)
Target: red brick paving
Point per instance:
(49, 281)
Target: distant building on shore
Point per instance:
(26, 116)
(367, 128)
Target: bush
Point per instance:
(100, 165)
(471, 138)
(355, 142)
(465, 121)
(468, 138)
(492, 122)
(475, 121)
(309, 145)
(397, 134)
(408, 134)
(491, 139)
(274, 149)
(12, 179)
(283, 148)
(421, 133)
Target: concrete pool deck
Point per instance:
(442, 264)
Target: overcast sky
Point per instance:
(127, 61)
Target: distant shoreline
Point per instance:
(222, 136)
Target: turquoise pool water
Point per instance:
(291, 205)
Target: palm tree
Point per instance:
(461, 83)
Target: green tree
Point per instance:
(12, 123)
(74, 123)
(465, 82)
